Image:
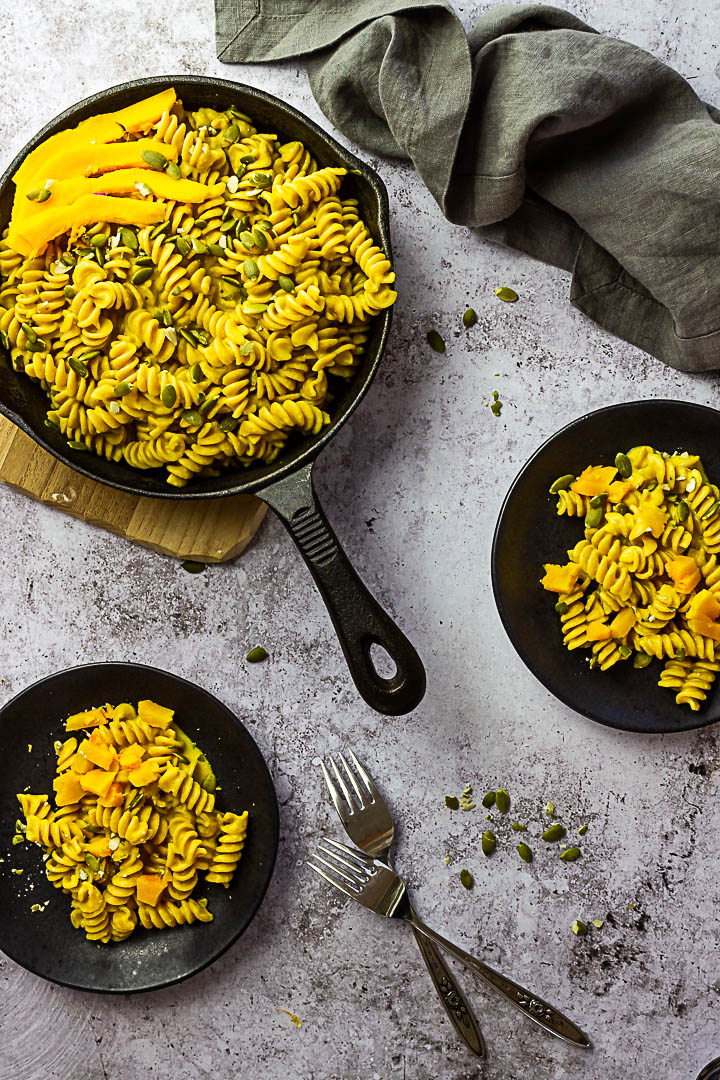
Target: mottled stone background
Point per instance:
(413, 485)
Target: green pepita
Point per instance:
(142, 275)
(623, 465)
(29, 331)
(75, 445)
(488, 843)
(247, 159)
(234, 280)
(286, 283)
(189, 336)
(579, 928)
(154, 160)
(679, 653)
(469, 318)
(78, 367)
(597, 501)
(488, 799)
(99, 240)
(641, 660)
(625, 651)
(251, 269)
(260, 238)
(260, 179)
(553, 833)
(246, 240)
(712, 511)
(168, 396)
(231, 134)
(502, 800)
(525, 853)
(570, 854)
(229, 423)
(582, 830)
(451, 801)
(158, 230)
(35, 346)
(196, 373)
(256, 655)
(4, 340)
(233, 111)
(135, 800)
(43, 195)
(240, 171)
(217, 250)
(191, 417)
(435, 341)
(561, 607)
(92, 862)
(173, 170)
(33, 194)
(183, 246)
(69, 292)
(122, 389)
(200, 247)
(193, 567)
(228, 226)
(128, 238)
(517, 827)
(466, 879)
(145, 261)
(503, 292)
(593, 517)
(562, 483)
(622, 508)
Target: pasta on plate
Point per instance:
(644, 581)
(134, 823)
(185, 287)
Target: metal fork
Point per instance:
(368, 822)
(376, 886)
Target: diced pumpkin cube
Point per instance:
(97, 781)
(703, 605)
(99, 752)
(649, 519)
(149, 889)
(115, 794)
(684, 572)
(146, 773)
(597, 631)
(80, 763)
(131, 755)
(623, 623)
(619, 489)
(560, 579)
(68, 789)
(154, 714)
(90, 718)
(98, 846)
(705, 627)
(595, 480)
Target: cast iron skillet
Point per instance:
(45, 942)
(286, 484)
(529, 533)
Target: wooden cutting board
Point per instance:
(206, 530)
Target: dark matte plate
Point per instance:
(529, 533)
(46, 943)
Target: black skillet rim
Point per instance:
(271, 473)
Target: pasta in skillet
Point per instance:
(134, 823)
(203, 324)
(644, 582)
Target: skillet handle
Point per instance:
(357, 617)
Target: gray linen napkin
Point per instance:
(582, 150)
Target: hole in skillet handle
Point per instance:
(382, 661)
(360, 622)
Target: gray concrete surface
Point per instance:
(413, 485)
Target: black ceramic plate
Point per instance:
(45, 942)
(529, 533)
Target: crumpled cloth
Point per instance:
(580, 149)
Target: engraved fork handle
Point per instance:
(451, 995)
(529, 1004)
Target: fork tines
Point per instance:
(359, 799)
(349, 870)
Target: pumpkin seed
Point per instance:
(68, 259)
(240, 171)
(622, 508)
(579, 928)
(517, 827)
(582, 830)
(158, 230)
(562, 483)
(196, 373)
(217, 250)
(168, 396)
(623, 465)
(641, 660)
(598, 500)
(193, 567)
(286, 283)
(260, 179)
(142, 275)
(231, 134)
(469, 318)
(229, 423)
(502, 800)
(256, 655)
(99, 240)
(488, 799)
(75, 445)
(192, 418)
(234, 280)
(200, 247)
(266, 225)
(503, 292)
(33, 194)
(679, 654)
(154, 160)
(228, 226)
(188, 336)
(203, 338)
(122, 389)
(625, 651)
(206, 405)
(466, 879)
(711, 512)
(246, 240)
(251, 269)
(295, 218)
(128, 238)
(255, 309)
(451, 801)
(173, 170)
(525, 853)
(570, 854)
(488, 843)
(78, 367)
(69, 292)
(233, 111)
(260, 238)
(593, 517)
(553, 833)
(29, 331)
(4, 340)
(135, 801)
(183, 245)
(145, 261)
(92, 862)
(247, 159)
(561, 607)
(43, 195)
(435, 341)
